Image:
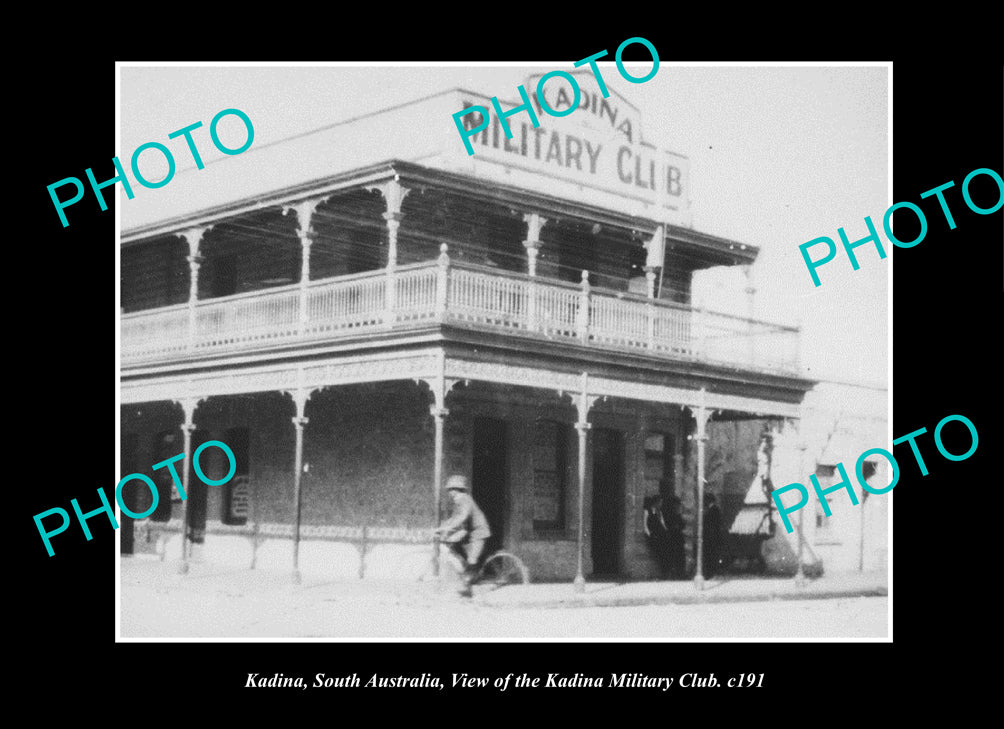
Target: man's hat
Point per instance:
(456, 483)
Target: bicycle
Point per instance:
(500, 568)
(503, 568)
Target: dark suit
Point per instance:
(712, 540)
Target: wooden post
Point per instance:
(188, 405)
(300, 397)
(701, 415)
(304, 217)
(583, 402)
(193, 236)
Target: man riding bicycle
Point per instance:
(465, 531)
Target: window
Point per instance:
(549, 466)
(237, 491)
(825, 532)
(659, 476)
(166, 446)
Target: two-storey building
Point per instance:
(360, 311)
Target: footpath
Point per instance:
(718, 590)
(209, 579)
(221, 603)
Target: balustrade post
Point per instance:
(582, 315)
(390, 295)
(194, 262)
(304, 220)
(442, 280)
(393, 193)
(532, 294)
(650, 279)
(534, 222)
(305, 240)
(193, 236)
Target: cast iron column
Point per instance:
(583, 402)
(304, 218)
(299, 422)
(439, 415)
(394, 194)
(300, 397)
(193, 236)
(188, 406)
(701, 415)
(440, 385)
(534, 222)
(186, 429)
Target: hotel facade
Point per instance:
(387, 310)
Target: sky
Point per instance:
(779, 155)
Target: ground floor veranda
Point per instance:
(339, 462)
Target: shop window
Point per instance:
(659, 451)
(237, 491)
(167, 444)
(549, 468)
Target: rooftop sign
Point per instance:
(599, 146)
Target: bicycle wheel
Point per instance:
(503, 568)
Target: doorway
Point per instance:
(608, 500)
(488, 476)
(130, 498)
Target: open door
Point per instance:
(488, 477)
(608, 500)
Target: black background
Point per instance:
(947, 122)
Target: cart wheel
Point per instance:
(503, 568)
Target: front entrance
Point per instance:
(608, 499)
(129, 491)
(488, 476)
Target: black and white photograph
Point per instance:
(558, 376)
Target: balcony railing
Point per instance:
(459, 294)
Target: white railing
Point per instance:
(246, 318)
(460, 294)
(355, 303)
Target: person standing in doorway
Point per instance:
(712, 536)
(465, 531)
(674, 539)
(655, 533)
